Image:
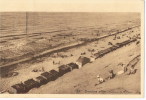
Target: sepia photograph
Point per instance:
(71, 52)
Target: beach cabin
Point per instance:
(82, 61)
(55, 74)
(64, 69)
(17, 88)
(47, 75)
(41, 80)
(73, 65)
(31, 83)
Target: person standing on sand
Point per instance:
(124, 68)
(111, 74)
(53, 62)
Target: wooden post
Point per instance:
(26, 24)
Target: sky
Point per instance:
(72, 5)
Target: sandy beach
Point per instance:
(26, 56)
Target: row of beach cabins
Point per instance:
(53, 74)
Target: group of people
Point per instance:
(111, 74)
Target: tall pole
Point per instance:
(26, 23)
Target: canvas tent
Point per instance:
(82, 61)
